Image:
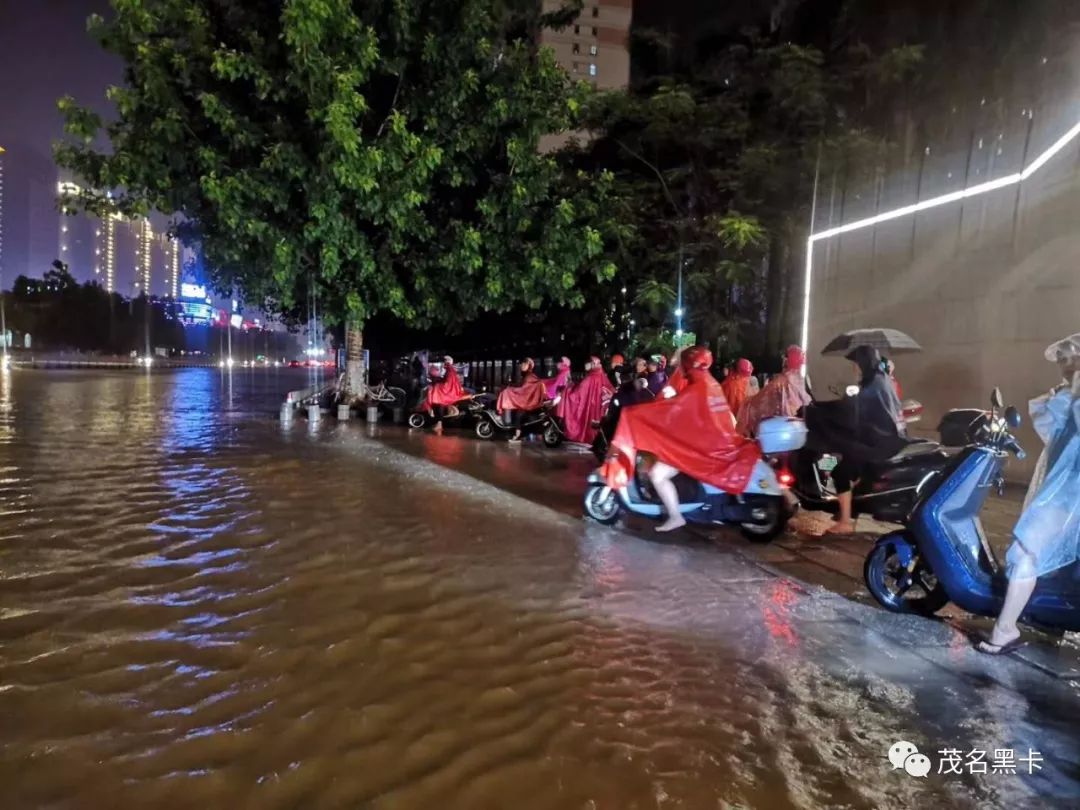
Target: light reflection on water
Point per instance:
(201, 608)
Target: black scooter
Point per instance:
(887, 491)
(462, 414)
(542, 422)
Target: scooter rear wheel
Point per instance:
(894, 586)
(417, 420)
(771, 527)
(601, 504)
(484, 429)
(552, 435)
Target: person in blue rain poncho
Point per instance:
(1047, 536)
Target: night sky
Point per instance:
(45, 53)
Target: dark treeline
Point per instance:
(731, 116)
(58, 313)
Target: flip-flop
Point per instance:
(987, 647)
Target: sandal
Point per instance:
(987, 647)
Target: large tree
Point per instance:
(365, 155)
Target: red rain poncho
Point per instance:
(693, 432)
(783, 395)
(560, 380)
(737, 385)
(585, 403)
(446, 391)
(528, 396)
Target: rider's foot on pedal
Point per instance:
(516, 438)
(840, 527)
(438, 427)
(671, 524)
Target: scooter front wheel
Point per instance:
(417, 420)
(602, 504)
(484, 429)
(900, 580)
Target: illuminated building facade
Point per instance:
(595, 47)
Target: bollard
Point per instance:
(399, 416)
(286, 412)
(313, 413)
(343, 412)
(373, 413)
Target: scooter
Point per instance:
(463, 413)
(942, 554)
(762, 511)
(542, 422)
(887, 490)
(961, 426)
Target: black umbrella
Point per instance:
(886, 341)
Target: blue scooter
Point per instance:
(942, 555)
(762, 511)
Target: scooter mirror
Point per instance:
(996, 399)
(1012, 417)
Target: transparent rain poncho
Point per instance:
(1049, 527)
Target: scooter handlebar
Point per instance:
(1014, 447)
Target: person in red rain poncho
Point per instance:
(553, 385)
(677, 379)
(737, 384)
(442, 395)
(693, 433)
(783, 395)
(586, 403)
(519, 399)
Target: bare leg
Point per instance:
(844, 523)
(661, 475)
(1016, 598)
(1021, 586)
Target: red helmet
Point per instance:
(696, 357)
(617, 359)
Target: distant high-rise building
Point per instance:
(596, 46)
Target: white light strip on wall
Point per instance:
(933, 202)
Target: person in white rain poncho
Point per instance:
(1047, 536)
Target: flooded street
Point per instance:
(200, 607)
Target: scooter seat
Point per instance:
(916, 448)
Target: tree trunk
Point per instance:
(352, 388)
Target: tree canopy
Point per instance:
(381, 156)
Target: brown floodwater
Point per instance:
(200, 607)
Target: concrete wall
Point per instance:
(984, 284)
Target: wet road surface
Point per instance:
(202, 608)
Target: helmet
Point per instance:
(448, 360)
(696, 357)
(795, 358)
(744, 367)
(617, 360)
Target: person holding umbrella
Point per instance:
(863, 429)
